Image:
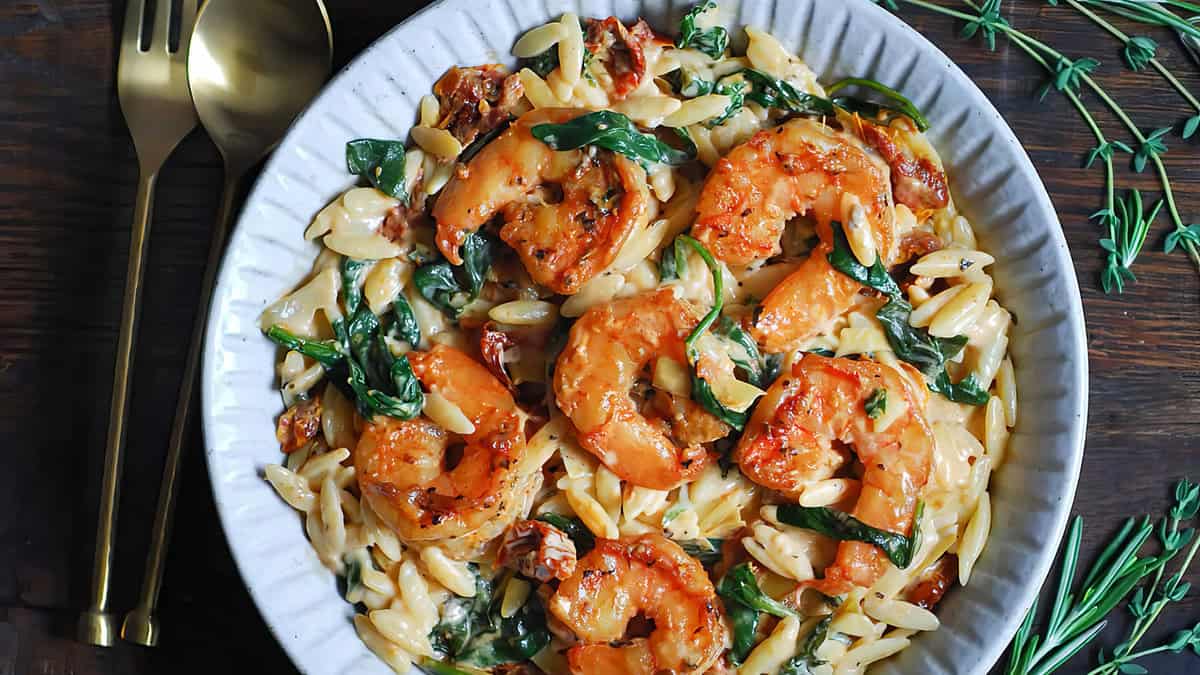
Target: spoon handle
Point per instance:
(141, 623)
(97, 625)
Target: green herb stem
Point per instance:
(1029, 44)
(1154, 63)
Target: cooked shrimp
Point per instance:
(801, 167)
(794, 435)
(429, 484)
(648, 576)
(606, 353)
(566, 213)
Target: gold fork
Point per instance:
(153, 91)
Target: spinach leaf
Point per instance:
(673, 261)
(438, 285)
(611, 131)
(965, 391)
(712, 41)
(361, 330)
(353, 574)
(842, 259)
(903, 106)
(821, 351)
(804, 662)
(404, 406)
(707, 551)
(574, 528)
(876, 403)
(915, 345)
(353, 272)
(685, 83)
(543, 64)
(745, 355)
(739, 585)
(381, 163)
(463, 618)
(744, 621)
(451, 288)
(478, 251)
(702, 393)
(770, 92)
(473, 633)
(326, 352)
(843, 526)
(405, 322)
(736, 91)
(514, 639)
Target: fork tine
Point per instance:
(187, 21)
(131, 33)
(160, 38)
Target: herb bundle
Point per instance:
(1078, 615)
(1124, 230)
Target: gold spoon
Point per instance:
(253, 65)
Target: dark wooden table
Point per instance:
(67, 177)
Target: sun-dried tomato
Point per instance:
(299, 424)
(621, 50)
(492, 343)
(538, 550)
(474, 101)
(917, 182)
(934, 583)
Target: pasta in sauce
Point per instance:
(646, 319)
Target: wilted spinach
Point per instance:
(574, 528)
(473, 633)
(451, 288)
(380, 162)
(842, 259)
(804, 662)
(711, 41)
(353, 271)
(843, 526)
(611, 131)
(876, 403)
(743, 601)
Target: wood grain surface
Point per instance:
(67, 178)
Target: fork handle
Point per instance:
(141, 623)
(97, 625)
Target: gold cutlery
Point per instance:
(153, 92)
(253, 66)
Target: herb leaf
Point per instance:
(915, 345)
(611, 131)
(740, 585)
(903, 106)
(842, 259)
(770, 92)
(712, 41)
(966, 390)
(381, 163)
(353, 271)
(843, 526)
(806, 660)
(876, 403)
(451, 288)
(706, 551)
(326, 352)
(405, 325)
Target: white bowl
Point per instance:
(376, 96)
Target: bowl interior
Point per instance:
(992, 179)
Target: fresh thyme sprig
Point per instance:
(1139, 52)
(1067, 76)
(1077, 617)
(1126, 234)
(1149, 601)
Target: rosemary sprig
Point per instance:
(1150, 600)
(1151, 13)
(1077, 617)
(1068, 76)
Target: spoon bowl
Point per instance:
(253, 66)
